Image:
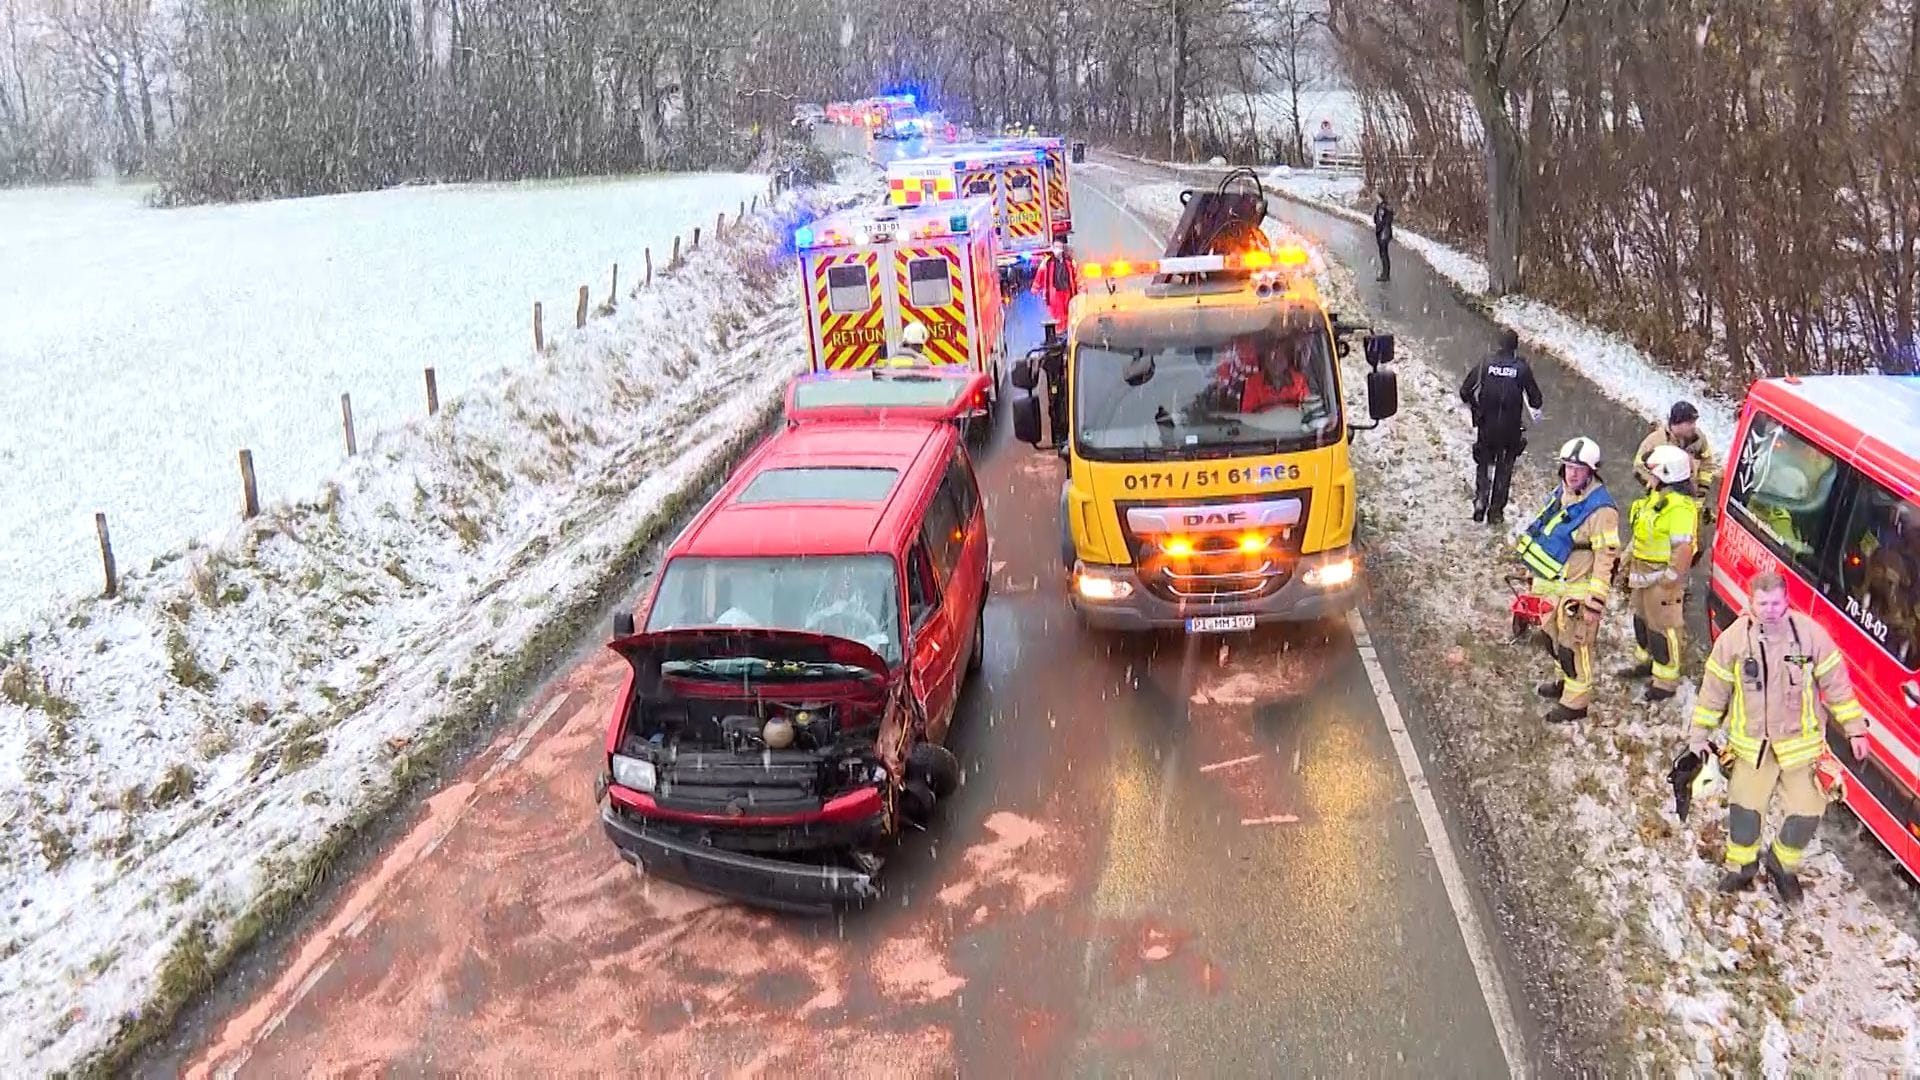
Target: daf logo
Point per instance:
(1212, 517)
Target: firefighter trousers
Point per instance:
(1573, 635)
(1749, 791)
(1659, 620)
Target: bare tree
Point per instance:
(1290, 52)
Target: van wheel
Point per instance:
(935, 766)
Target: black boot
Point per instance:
(1550, 689)
(1785, 882)
(1560, 714)
(1734, 881)
(1655, 695)
(1641, 670)
(1479, 512)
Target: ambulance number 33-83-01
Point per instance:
(1205, 478)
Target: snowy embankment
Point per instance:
(143, 348)
(1657, 971)
(179, 765)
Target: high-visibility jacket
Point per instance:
(1777, 689)
(1665, 522)
(1571, 547)
(1706, 469)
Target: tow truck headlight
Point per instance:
(1331, 575)
(634, 774)
(1096, 583)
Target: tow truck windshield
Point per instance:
(1203, 382)
(848, 596)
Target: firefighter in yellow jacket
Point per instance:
(1775, 678)
(1682, 429)
(1666, 528)
(1570, 549)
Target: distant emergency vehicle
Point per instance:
(870, 271)
(1059, 197)
(1015, 181)
(1823, 488)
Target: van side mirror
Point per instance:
(1026, 418)
(1024, 375)
(623, 624)
(1383, 391)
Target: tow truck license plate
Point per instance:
(1208, 624)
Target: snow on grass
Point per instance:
(177, 763)
(1618, 368)
(144, 348)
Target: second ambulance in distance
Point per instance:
(1208, 485)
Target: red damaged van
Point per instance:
(795, 667)
(1824, 489)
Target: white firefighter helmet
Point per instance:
(1670, 464)
(914, 334)
(1580, 450)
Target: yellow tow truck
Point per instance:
(1206, 430)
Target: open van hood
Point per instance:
(647, 652)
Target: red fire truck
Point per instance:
(1824, 489)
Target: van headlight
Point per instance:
(634, 774)
(1331, 575)
(1098, 583)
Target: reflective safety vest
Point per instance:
(1548, 542)
(1656, 519)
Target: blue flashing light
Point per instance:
(958, 223)
(1039, 155)
(803, 237)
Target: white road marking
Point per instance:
(1276, 819)
(1479, 947)
(1230, 764)
(1153, 235)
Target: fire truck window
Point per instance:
(1020, 188)
(1782, 490)
(927, 283)
(980, 185)
(1880, 570)
(847, 291)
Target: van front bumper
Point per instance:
(687, 855)
(1302, 599)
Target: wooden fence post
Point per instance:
(613, 291)
(580, 310)
(720, 225)
(106, 555)
(743, 210)
(649, 280)
(247, 485)
(754, 207)
(675, 261)
(346, 420)
(695, 246)
(539, 331)
(433, 394)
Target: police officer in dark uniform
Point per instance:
(1497, 391)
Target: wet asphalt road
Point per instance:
(1170, 856)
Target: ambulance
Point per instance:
(1015, 180)
(1059, 199)
(869, 271)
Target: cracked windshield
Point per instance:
(1349, 538)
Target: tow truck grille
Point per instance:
(1216, 570)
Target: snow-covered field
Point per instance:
(141, 349)
(176, 760)
(1674, 978)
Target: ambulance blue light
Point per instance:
(803, 237)
(1039, 155)
(958, 223)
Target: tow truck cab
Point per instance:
(1209, 487)
(794, 669)
(1823, 488)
